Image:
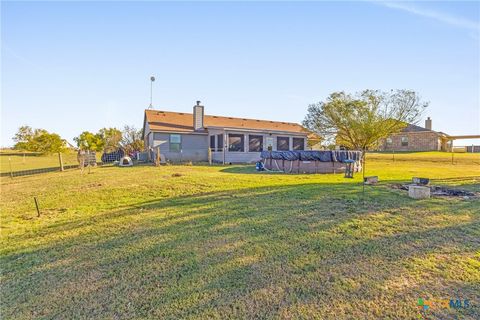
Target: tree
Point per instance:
(38, 140)
(362, 120)
(23, 135)
(89, 141)
(46, 142)
(112, 137)
(21, 138)
(132, 139)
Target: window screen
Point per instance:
(404, 141)
(255, 143)
(298, 144)
(220, 142)
(283, 143)
(235, 142)
(212, 143)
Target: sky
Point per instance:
(69, 67)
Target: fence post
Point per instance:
(393, 155)
(36, 205)
(157, 157)
(10, 164)
(209, 156)
(60, 160)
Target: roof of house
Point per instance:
(415, 128)
(183, 122)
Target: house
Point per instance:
(188, 136)
(416, 138)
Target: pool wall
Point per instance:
(310, 161)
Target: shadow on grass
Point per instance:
(245, 169)
(250, 169)
(253, 253)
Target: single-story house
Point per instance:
(416, 138)
(188, 136)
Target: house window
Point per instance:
(236, 143)
(298, 144)
(283, 143)
(175, 143)
(389, 142)
(404, 141)
(219, 142)
(212, 143)
(255, 143)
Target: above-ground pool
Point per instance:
(311, 161)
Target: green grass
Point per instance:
(12, 160)
(219, 242)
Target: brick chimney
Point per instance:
(198, 116)
(428, 124)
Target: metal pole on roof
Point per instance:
(152, 79)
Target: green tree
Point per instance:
(89, 141)
(46, 142)
(132, 139)
(112, 138)
(38, 140)
(362, 120)
(21, 138)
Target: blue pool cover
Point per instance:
(323, 156)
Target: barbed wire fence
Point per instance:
(48, 164)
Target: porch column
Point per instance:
(224, 145)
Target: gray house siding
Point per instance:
(236, 157)
(193, 147)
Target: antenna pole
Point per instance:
(151, 93)
(152, 78)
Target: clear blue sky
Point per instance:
(70, 67)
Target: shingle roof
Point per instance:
(183, 122)
(414, 128)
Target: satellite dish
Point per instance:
(152, 78)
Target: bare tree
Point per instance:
(132, 139)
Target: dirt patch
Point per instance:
(93, 185)
(440, 191)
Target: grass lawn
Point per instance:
(220, 242)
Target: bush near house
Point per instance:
(220, 242)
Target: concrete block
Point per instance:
(418, 192)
